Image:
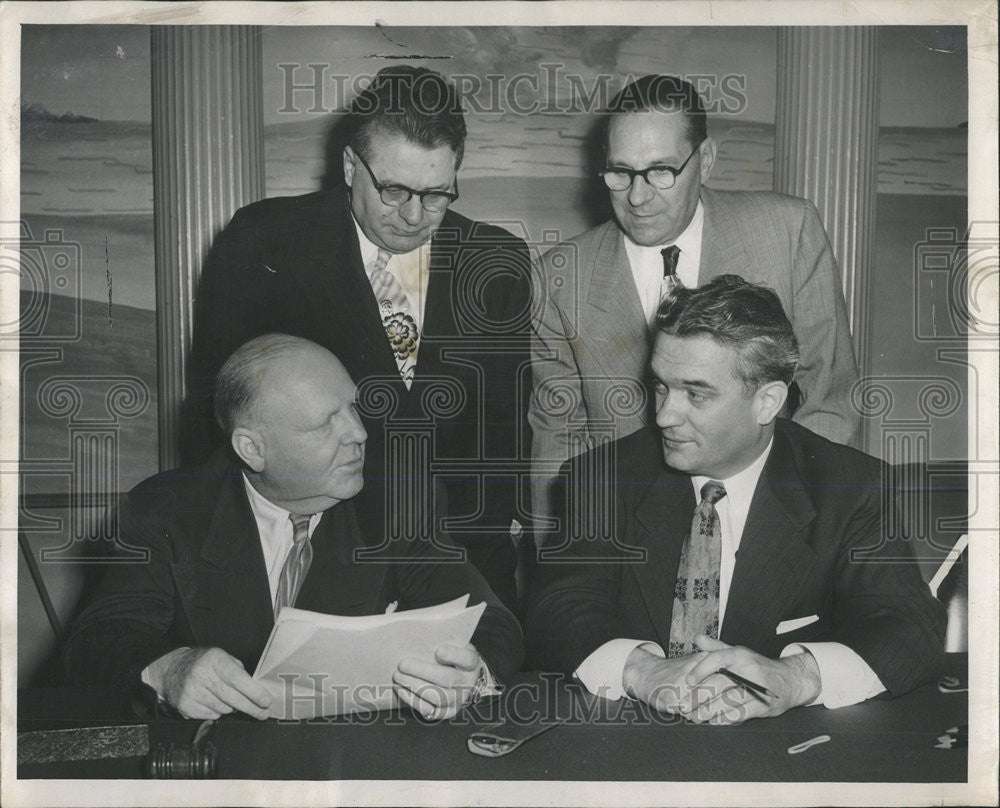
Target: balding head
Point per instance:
(239, 381)
(288, 407)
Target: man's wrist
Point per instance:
(636, 669)
(155, 673)
(808, 683)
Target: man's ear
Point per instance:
(707, 151)
(768, 401)
(348, 158)
(249, 447)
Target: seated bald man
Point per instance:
(191, 621)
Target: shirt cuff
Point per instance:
(601, 672)
(845, 678)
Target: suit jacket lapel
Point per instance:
(612, 289)
(662, 519)
(447, 247)
(334, 276)
(229, 577)
(773, 553)
(722, 250)
(613, 294)
(336, 584)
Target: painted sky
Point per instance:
(103, 71)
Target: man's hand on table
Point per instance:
(439, 689)
(659, 682)
(207, 683)
(692, 687)
(716, 699)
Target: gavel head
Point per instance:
(196, 761)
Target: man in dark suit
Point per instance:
(428, 310)
(780, 577)
(600, 289)
(278, 522)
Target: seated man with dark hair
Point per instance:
(231, 542)
(780, 577)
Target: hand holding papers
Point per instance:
(318, 664)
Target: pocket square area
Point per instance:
(793, 625)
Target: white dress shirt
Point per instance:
(276, 533)
(845, 678)
(411, 269)
(647, 262)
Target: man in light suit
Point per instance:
(337, 266)
(599, 290)
(778, 574)
(277, 520)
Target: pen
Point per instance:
(756, 688)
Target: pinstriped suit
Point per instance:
(816, 501)
(590, 335)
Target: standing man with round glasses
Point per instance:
(428, 310)
(591, 337)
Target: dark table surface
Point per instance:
(882, 740)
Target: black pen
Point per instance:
(756, 688)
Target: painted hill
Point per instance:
(124, 346)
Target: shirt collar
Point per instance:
(741, 487)
(688, 241)
(369, 252)
(264, 510)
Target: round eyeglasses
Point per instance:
(396, 195)
(663, 178)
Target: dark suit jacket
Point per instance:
(293, 265)
(205, 583)
(816, 502)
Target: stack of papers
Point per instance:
(321, 664)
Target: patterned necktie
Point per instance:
(670, 280)
(397, 317)
(296, 564)
(696, 593)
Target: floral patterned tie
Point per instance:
(397, 317)
(696, 593)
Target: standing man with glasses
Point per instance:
(591, 336)
(428, 310)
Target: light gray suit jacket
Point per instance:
(591, 342)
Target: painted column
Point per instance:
(208, 160)
(825, 148)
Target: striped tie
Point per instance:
(397, 316)
(296, 564)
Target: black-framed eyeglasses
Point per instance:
(396, 195)
(661, 177)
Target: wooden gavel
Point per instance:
(198, 760)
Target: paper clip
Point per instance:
(801, 747)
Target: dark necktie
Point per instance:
(670, 280)
(296, 564)
(696, 593)
(397, 316)
(670, 255)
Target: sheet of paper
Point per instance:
(316, 664)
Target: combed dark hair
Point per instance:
(415, 102)
(740, 315)
(663, 94)
(238, 380)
